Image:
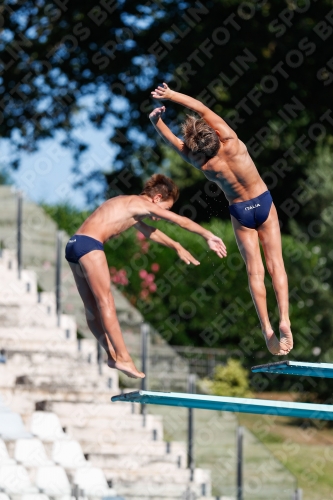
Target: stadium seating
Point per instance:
(36, 496)
(46, 426)
(15, 480)
(4, 456)
(53, 481)
(11, 426)
(69, 454)
(93, 482)
(30, 453)
(57, 425)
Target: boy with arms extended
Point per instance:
(85, 255)
(211, 146)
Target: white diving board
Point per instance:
(323, 370)
(242, 405)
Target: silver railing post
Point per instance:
(298, 494)
(99, 358)
(190, 429)
(144, 364)
(19, 233)
(240, 486)
(58, 275)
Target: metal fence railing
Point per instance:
(263, 475)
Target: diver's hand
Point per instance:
(162, 92)
(156, 114)
(216, 244)
(185, 256)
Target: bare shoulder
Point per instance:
(137, 206)
(124, 205)
(242, 147)
(233, 146)
(121, 201)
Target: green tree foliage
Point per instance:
(230, 380)
(67, 217)
(265, 66)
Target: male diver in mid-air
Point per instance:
(84, 252)
(211, 146)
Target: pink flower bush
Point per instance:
(144, 294)
(118, 277)
(147, 284)
(143, 242)
(145, 247)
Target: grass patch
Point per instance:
(305, 451)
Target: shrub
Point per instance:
(230, 380)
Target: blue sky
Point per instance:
(45, 176)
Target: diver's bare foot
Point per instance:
(126, 367)
(286, 337)
(273, 344)
(112, 358)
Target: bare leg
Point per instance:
(92, 313)
(270, 238)
(248, 244)
(101, 314)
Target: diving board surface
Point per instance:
(242, 405)
(323, 370)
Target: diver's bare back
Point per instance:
(234, 171)
(113, 217)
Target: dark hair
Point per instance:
(200, 137)
(160, 184)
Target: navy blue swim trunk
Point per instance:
(79, 245)
(252, 213)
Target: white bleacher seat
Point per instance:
(46, 426)
(53, 481)
(14, 480)
(4, 457)
(92, 481)
(69, 454)
(32, 496)
(11, 426)
(3, 407)
(31, 453)
(3, 496)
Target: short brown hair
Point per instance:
(160, 184)
(200, 137)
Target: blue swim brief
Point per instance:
(252, 213)
(79, 245)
